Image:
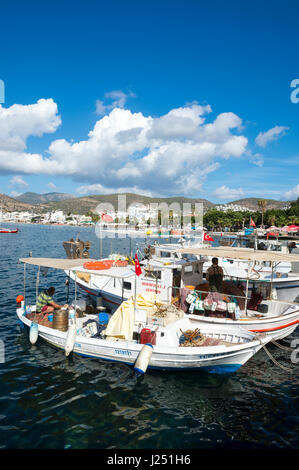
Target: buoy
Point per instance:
(70, 339)
(19, 299)
(143, 359)
(33, 333)
(71, 333)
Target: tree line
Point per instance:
(262, 217)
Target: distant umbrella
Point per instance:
(290, 228)
(106, 218)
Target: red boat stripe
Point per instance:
(276, 328)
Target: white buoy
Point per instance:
(33, 333)
(71, 333)
(143, 359)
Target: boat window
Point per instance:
(127, 285)
(165, 254)
(189, 257)
(188, 269)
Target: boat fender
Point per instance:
(71, 333)
(143, 359)
(70, 339)
(33, 333)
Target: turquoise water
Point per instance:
(47, 401)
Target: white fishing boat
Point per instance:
(285, 284)
(166, 266)
(277, 318)
(134, 337)
(117, 283)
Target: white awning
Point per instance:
(56, 263)
(236, 253)
(76, 265)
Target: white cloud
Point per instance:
(264, 138)
(223, 192)
(51, 186)
(15, 193)
(258, 160)
(18, 181)
(292, 193)
(100, 189)
(118, 100)
(18, 122)
(171, 154)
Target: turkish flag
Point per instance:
(252, 222)
(207, 238)
(137, 266)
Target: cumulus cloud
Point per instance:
(171, 154)
(292, 193)
(264, 138)
(18, 122)
(223, 192)
(117, 99)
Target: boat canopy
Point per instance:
(237, 253)
(76, 265)
(55, 263)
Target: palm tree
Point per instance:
(262, 204)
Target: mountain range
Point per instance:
(68, 203)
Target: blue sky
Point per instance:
(157, 97)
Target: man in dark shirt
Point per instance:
(215, 276)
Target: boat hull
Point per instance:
(219, 359)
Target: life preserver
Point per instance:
(98, 265)
(105, 264)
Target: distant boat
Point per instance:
(7, 230)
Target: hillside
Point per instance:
(89, 203)
(10, 204)
(81, 205)
(35, 198)
(252, 203)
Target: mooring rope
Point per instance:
(287, 369)
(285, 348)
(275, 361)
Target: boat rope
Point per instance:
(287, 369)
(285, 348)
(275, 361)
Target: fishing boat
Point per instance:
(165, 266)
(285, 283)
(274, 317)
(115, 283)
(134, 337)
(7, 230)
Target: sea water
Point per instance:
(49, 401)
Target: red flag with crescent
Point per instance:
(207, 238)
(138, 270)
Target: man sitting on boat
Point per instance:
(45, 302)
(215, 276)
